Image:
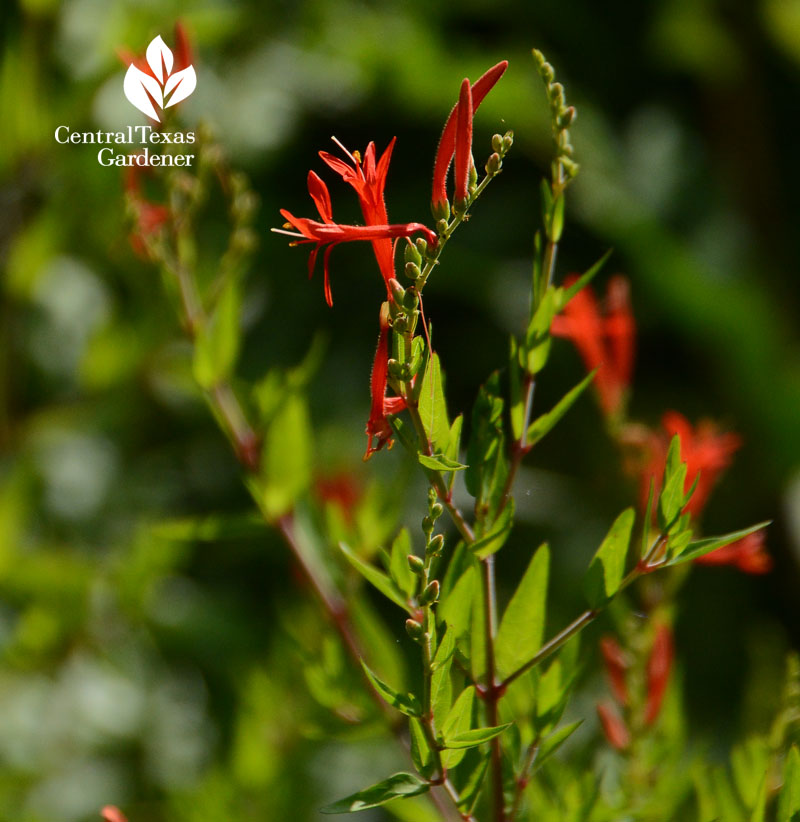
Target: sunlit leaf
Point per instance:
(395, 787)
(607, 568)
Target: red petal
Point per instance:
(463, 149)
(327, 285)
(321, 196)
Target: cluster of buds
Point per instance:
(423, 567)
(561, 115)
(630, 711)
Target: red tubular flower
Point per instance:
(659, 667)
(604, 339)
(112, 814)
(614, 727)
(369, 181)
(616, 667)
(447, 142)
(382, 406)
(463, 150)
(748, 554)
(339, 489)
(150, 217)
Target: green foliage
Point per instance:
(407, 704)
(607, 568)
(377, 578)
(542, 425)
(399, 785)
(432, 406)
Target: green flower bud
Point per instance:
(412, 271)
(570, 166)
(566, 117)
(497, 143)
(508, 141)
(411, 299)
(422, 246)
(494, 164)
(400, 325)
(436, 510)
(414, 630)
(441, 227)
(398, 292)
(416, 565)
(427, 525)
(430, 594)
(435, 545)
(412, 254)
(398, 370)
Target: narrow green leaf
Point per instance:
(375, 576)
(607, 567)
(217, 344)
(395, 787)
(544, 424)
(670, 502)
(557, 224)
(398, 564)
(458, 721)
(760, 806)
(440, 462)
(405, 703)
(700, 547)
(473, 738)
(456, 607)
(421, 752)
(553, 742)
(441, 683)
(537, 337)
(497, 535)
(432, 405)
(789, 797)
(454, 446)
(648, 518)
(472, 786)
(522, 626)
(584, 279)
(516, 408)
(286, 459)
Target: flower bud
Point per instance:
(497, 143)
(571, 168)
(400, 325)
(614, 727)
(436, 510)
(566, 117)
(441, 227)
(414, 630)
(397, 290)
(411, 299)
(435, 545)
(412, 254)
(430, 594)
(416, 565)
(422, 246)
(427, 525)
(494, 164)
(398, 370)
(412, 271)
(508, 140)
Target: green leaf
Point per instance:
(432, 405)
(473, 738)
(584, 279)
(607, 568)
(544, 424)
(701, 547)
(395, 787)
(398, 564)
(522, 626)
(516, 408)
(671, 499)
(557, 222)
(760, 805)
(497, 535)
(441, 684)
(440, 462)
(217, 343)
(487, 440)
(455, 608)
(553, 742)
(537, 337)
(749, 763)
(405, 433)
(458, 721)
(375, 576)
(421, 752)
(468, 795)
(789, 797)
(286, 459)
(405, 703)
(454, 446)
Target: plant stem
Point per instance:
(522, 779)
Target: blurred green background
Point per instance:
(172, 673)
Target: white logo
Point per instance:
(160, 86)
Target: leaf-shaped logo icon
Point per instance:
(158, 87)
